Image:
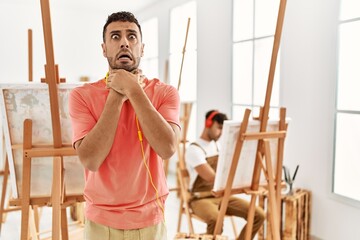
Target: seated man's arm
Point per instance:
(206, 172)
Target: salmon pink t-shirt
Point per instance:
(119, 194)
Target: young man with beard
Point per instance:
(123, 127)
(201, 161)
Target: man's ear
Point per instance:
(104, 49)
(142, 49)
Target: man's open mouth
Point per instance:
(124, 56)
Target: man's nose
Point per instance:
(124, 43)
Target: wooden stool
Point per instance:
(296, 215)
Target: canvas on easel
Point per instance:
(244, 169)
(31, 101)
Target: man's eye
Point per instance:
(132, 36)
(115, 36)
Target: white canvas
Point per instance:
(31, 101)
(245, 167)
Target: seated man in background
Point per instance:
(201, 161)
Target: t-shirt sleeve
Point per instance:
(82, 120)
(194, 156)
(170, 107)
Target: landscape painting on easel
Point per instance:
(31, 101)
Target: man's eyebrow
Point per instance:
(127, 30)
(132, 31)
(115, 32)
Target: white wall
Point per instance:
(214, 57)
(77, 35)
(308, 76)
(308, 91)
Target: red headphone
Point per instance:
(209, 120)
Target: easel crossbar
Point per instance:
(46, 201)
(49, 152)
(20, 146)
(263, 135)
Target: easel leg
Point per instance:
(26, 179)
(56, 198)
(250, 218)
(64, 222)
(25, 202)
(254, 187)
(191, 227)
(36, 217)
(180, 215)
(64, 225)
(280, 157)
(33, 227)
(274, 218)
(3, 193)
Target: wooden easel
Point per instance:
(4, 210)
(262, 153)
(185, 109)
(263, 164)
(184, 120)
(58, 198)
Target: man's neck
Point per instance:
(204, 136)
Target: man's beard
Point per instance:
(212, 137)
(128, 68)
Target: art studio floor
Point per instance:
(10, 229)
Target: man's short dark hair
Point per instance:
(121, 17)
(218, 117)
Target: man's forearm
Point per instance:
(161, 136)
(95, 146)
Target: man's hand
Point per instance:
(141, 77)
(125, 82)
